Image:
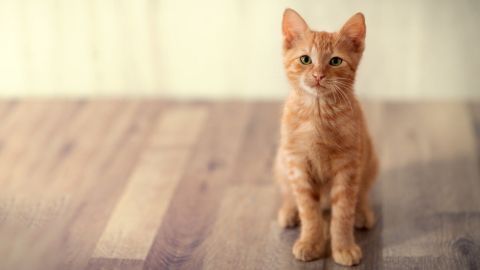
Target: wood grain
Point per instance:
(139, 212)
(437, 174)
(246, 216)
(193, 210)
(475, 113)
(148, 184)
(79, 185)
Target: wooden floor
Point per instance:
(141, 184)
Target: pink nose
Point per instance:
(318, 76)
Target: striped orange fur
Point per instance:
(325, 156)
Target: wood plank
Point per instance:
(429, 184)
(117, 264)
(138, 214)
(19, 197)
(255, 160)
(426, 262)
(108, 176)
(16, 131)
(104, 150)
(24, 211)
(238, 236)
(475, 112)
(41, 140)
(6, 107)
(58, 146)
(194, 206)
(125, 184)
(241, 232)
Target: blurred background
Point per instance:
(222, 49)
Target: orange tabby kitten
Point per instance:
(325, 154)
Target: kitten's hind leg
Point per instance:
(288, 213)
(364, 215)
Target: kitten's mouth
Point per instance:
(318, 86)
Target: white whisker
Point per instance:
(338, 85)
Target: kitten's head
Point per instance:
(321, 63)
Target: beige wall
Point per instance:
(227, 48)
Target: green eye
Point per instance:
(305, 59)
(335, 61)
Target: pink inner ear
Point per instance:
(293, 25)
(355, 30)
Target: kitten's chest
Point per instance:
(305, 136)
(305, 130)
(312, 136)
(320, 146)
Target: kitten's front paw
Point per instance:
(364, 219)
(288, 218)
(348, 256)
(308, 250)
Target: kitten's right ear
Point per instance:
(354, 30)
(293, 26)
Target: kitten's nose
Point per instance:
(318, 76)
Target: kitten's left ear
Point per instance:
(355, 30)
